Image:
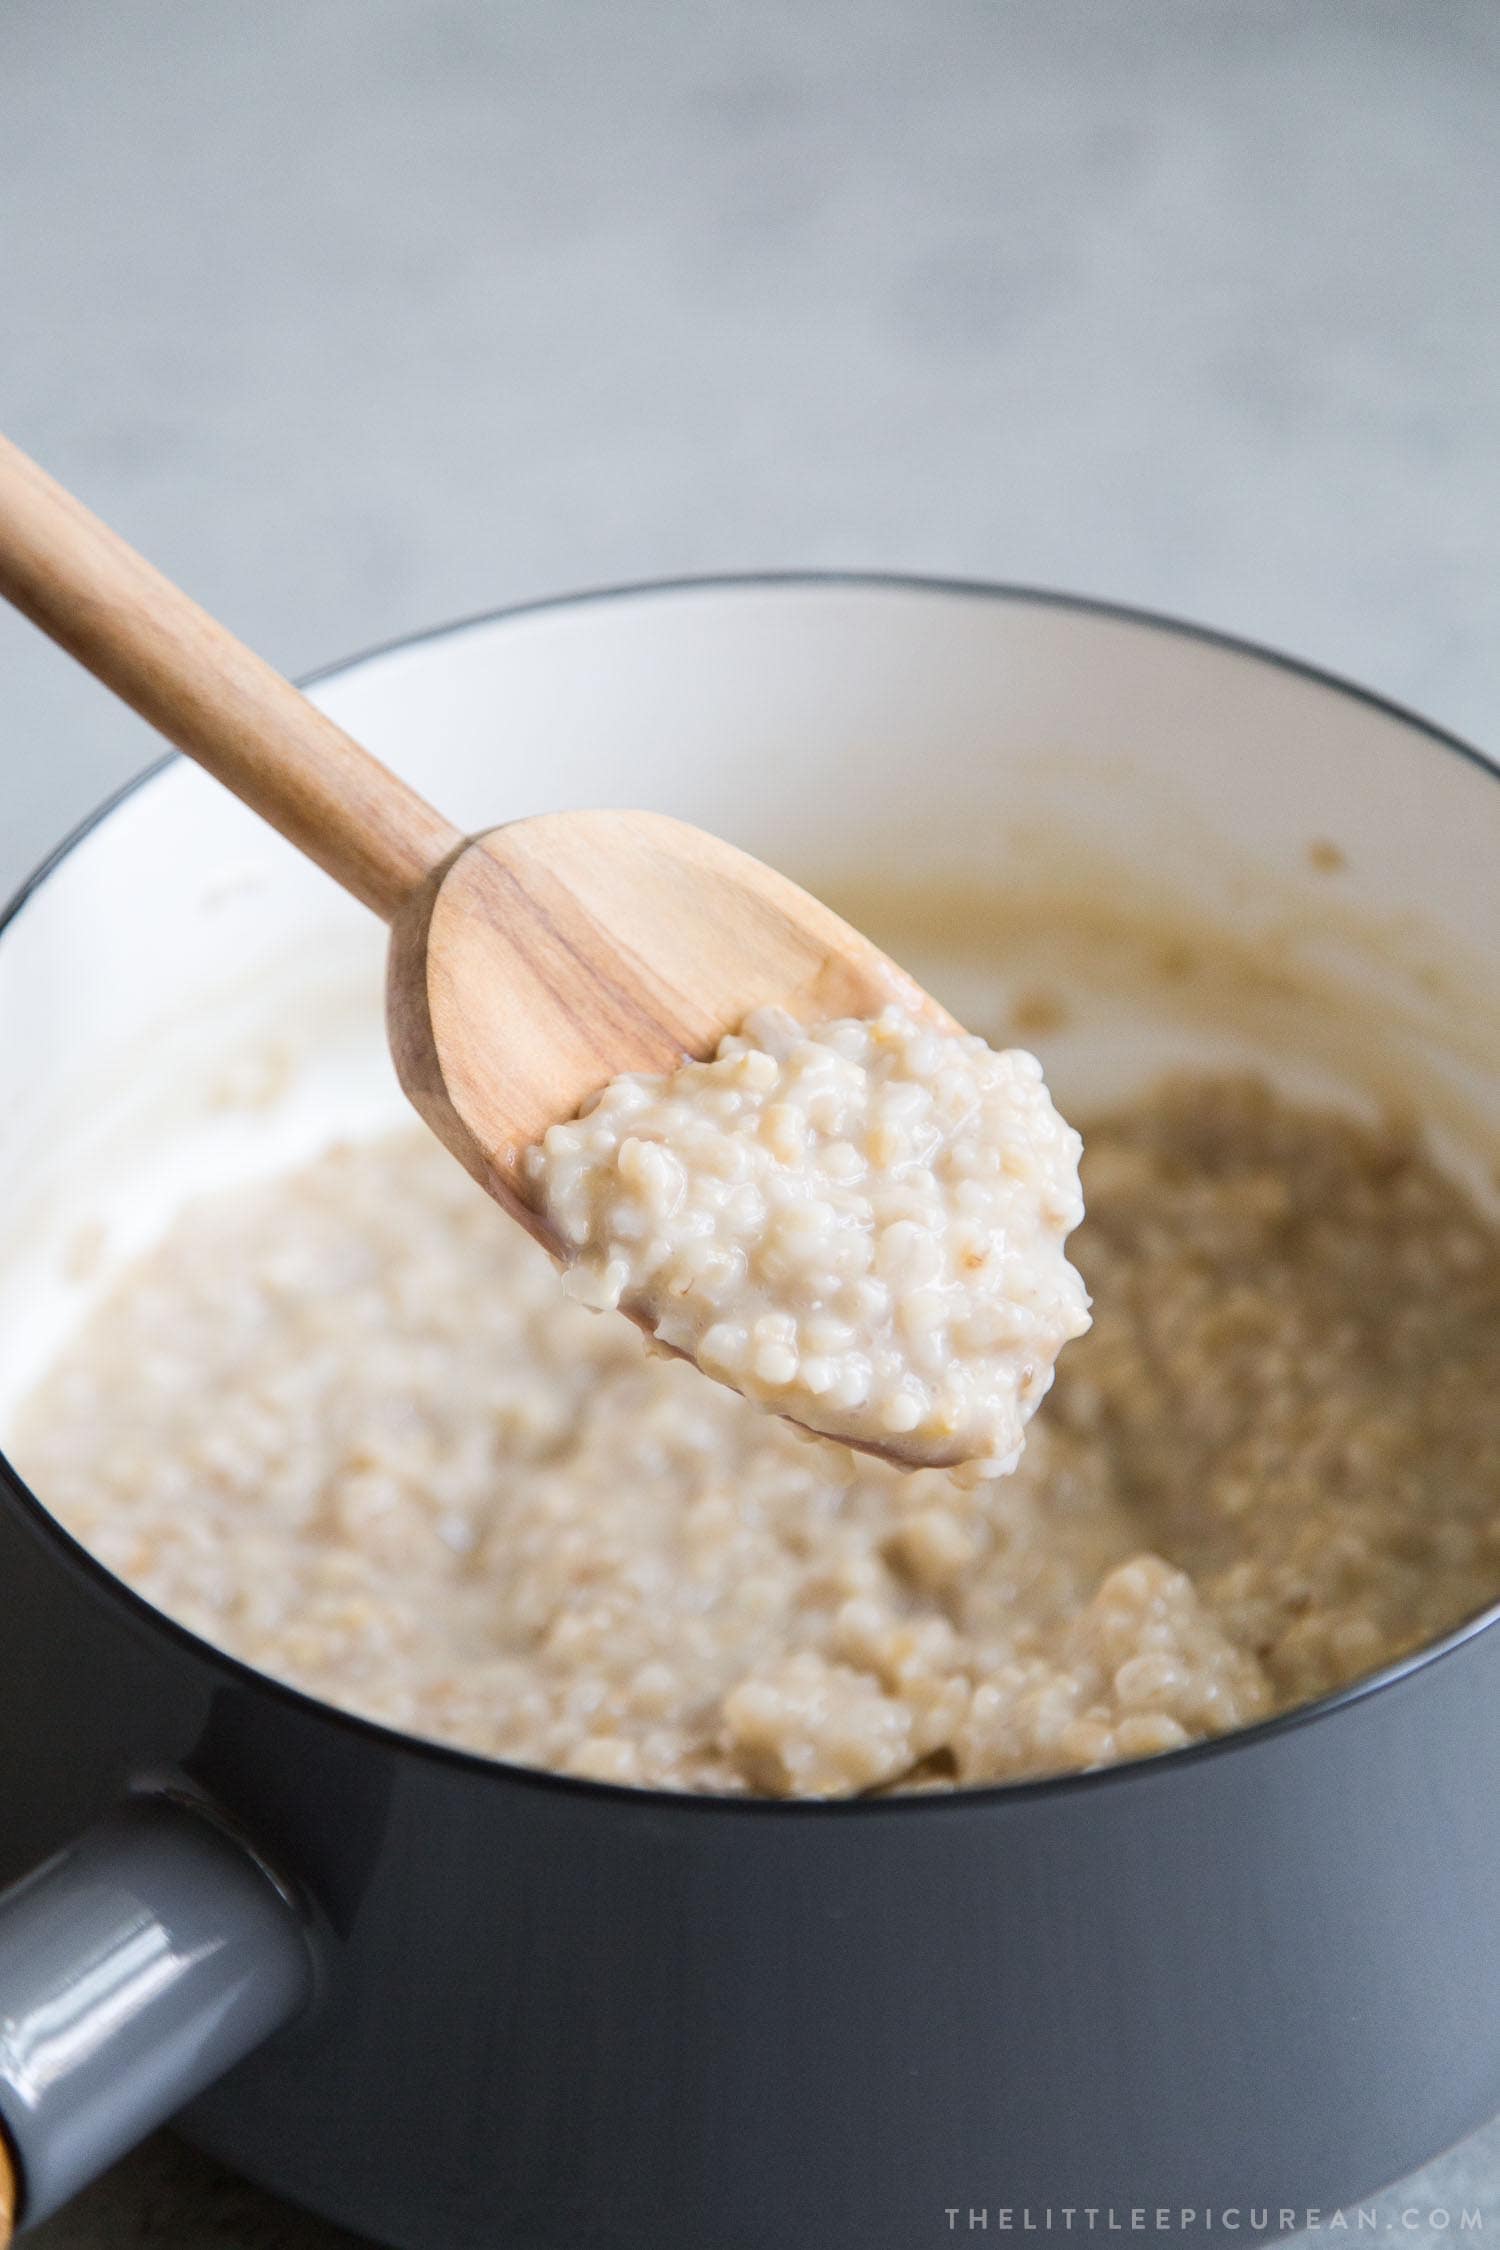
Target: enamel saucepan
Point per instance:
(453, 2004)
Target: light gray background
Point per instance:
(359, 314)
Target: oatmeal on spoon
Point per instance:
(791, 1166)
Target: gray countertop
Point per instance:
(359, 314)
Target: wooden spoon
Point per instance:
(530, 964)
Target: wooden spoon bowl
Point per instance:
(544, 958)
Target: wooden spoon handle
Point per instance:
(208, 693)
(7, 2194)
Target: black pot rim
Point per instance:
(496, 1772)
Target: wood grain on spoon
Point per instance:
(529, 965)
(555, 953)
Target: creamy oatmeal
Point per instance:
(857, 1224)
(347, 1425)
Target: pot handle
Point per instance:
(136, 1967)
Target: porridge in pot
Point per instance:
(347, 1425)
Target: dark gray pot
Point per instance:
(454, 2004)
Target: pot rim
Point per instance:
(14, 1489)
